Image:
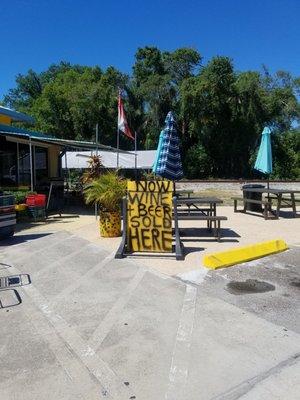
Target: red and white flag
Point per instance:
(122, 120)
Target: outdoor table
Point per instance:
(208, 214)
(279, 195)
(196, 202)
(184, 192)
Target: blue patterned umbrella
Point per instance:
(168, 161)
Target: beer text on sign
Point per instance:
(149, 216)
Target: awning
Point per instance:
(12, 131)
(16, 115)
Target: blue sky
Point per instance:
(36, 33)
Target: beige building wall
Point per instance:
(53, 160)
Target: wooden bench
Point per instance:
(286, 199)
(266, 204)
(211, 219)
(191, 210)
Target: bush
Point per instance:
(107, 190)
(20, 195)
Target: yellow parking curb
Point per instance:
(243, 254)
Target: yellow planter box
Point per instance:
(110, 224)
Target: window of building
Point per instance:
(8, 163)
(41, 165)
(24, 164)
(15, 164)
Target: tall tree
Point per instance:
(227, 111)
(220, 112)
(156, 79)
(30, 86)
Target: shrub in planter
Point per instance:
(107, 191)
(19, 194)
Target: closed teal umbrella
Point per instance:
(263, 161)
(159, 148)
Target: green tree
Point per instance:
(30, 86)
(71, 100)
(226, 112)
(220, 112)
(286, 155)
(156, 79)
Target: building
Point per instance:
(30, 158)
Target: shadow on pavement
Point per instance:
(203, 232)
(18, 239)
(9, 298)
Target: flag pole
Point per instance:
(97, 133)
(118, 131)
(135, 154)
(118, 145)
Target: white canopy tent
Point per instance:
(79, 160)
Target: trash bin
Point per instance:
(254, 196)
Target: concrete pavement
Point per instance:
(239, 230)
(87, 326)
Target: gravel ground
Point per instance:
(226, 190)
(233, 186)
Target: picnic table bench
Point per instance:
(267, 206)
(285, 199)
(184, 192)
(214, 220)
(194, 211)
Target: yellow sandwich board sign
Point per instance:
(149, 216)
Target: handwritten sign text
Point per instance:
(149, 215)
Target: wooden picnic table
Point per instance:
(184, 192)
(197, 203)
(280, 196)
(195, 211)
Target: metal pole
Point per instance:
(67, 174)
(97, 133)
(30, 160)
(118, 145)
(135, 154)
(118, 137)
(18, 165)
